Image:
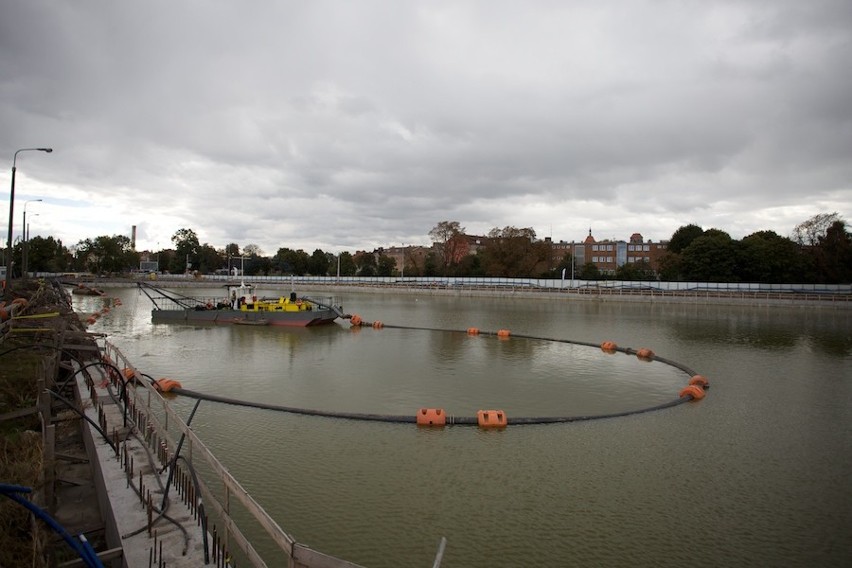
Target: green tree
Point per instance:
(712, 257)
(590, 272)
(186, 250)
(319, 263)
(834, 254)
(107, 254)
(670, 267)
(288, 261)
(513, 253)
(683, 237)
(209, 259)
(347, 264)
(366, 263)
(635, 271)
(45, 254)
(769, 258)
(470, 266)
(385, 266)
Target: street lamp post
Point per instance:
(12, 207)
(26, 252)
(26, 246)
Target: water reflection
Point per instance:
(756, 465)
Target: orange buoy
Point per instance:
(378, 325)
(473, 331)
(90, 320)
(609, 347)
(355, 320)
(503, 333)
(491, 419)
(695, 391)
(431, 417)
(645, 354)
(166, 385)
(128, 373)
(699, 380)
(4, 314)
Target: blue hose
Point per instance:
(81, 547)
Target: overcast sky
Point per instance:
(356, 124)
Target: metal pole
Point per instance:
(25, 248)
(12, 207)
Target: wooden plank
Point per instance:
(19, 413)
(111, 554)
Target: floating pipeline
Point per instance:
(486, 419)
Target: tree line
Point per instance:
(818, 251)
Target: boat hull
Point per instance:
(232, 317)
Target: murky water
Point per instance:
(755, 474)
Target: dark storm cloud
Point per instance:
(353, 125)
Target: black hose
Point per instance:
(177, 453)
(82, 414)
(454, 420)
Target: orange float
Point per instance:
(695, 391)
(503, 333)
(699, 380)
(378, 325)
(609, 347)
(645, 354)
(431, 417)
(473, 331)
(491, 419)
(166, 385)
(355, 320)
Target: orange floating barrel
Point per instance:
(609, 347)
(645, 354)
(473, 331)
(695, 391)
(166, 385)
(355, 320)
(378, 325)
(431, 417)
(128, 373)
(491, 419)
(699, 380)
(503, 333)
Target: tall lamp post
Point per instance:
(25, 250)
(12, 207)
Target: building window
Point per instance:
(594, 247)
(609, 248)
(646, 248)
(630, 247)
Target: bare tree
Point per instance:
(449, 243)
(810, 231)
